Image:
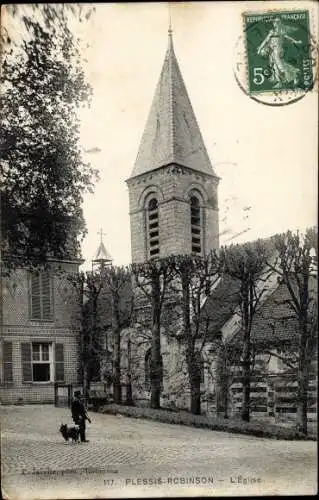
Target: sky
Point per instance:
(265, 156)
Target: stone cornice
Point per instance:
(171, 169)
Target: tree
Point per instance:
(197, 275)
(247, 263)
(226, 355)
(88, 288)
(118, 283)
(297, 267)
(43, 175)
(221, 353)
(153, 278)
(129, 392)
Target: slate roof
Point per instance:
(274, 322)
(102, 254)
(221, 303)
(171, 134)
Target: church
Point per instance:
(173, 208)
(173, 203)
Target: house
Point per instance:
(39, 332)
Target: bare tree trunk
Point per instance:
(191, 359)
(221, 384)
(117, 349)
(129, 393)
(156, 357)
(245, 410)
(303, 381)
(247, 297)
(195, 397)
(117, 368)
(86, 381)
(194, 378)
(193, 367)
(156, 367)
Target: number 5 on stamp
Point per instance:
(278, 48)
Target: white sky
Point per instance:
(272, 152)
(266, 156)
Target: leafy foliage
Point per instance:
(43, 175)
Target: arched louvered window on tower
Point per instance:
(196, 225)
(153, 228)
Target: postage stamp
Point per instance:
(278, 48)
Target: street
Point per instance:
(129, 458)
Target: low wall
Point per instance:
(27, 394)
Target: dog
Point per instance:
(70, 432)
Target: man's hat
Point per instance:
(77, 394)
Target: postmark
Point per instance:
(276, 56)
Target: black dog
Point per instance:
(70, 432)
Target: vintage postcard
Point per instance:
(158, 249)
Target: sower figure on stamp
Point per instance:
(79, 415)
(273, 48)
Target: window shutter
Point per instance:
(46, 296)
(35, 296)
(7, 362)
(59, 363)
(26, 362)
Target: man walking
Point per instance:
(79, 415)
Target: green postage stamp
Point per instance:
(278, 48)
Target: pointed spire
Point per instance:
(171, 134)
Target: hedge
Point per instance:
(259, 429)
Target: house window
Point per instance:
(41, 362)
(153, 228)
(196, 232)
(41, 296)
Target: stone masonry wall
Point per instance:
(172, 185)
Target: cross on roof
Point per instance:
(170, 29)
(100, 232)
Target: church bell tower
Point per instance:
(172, 187)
